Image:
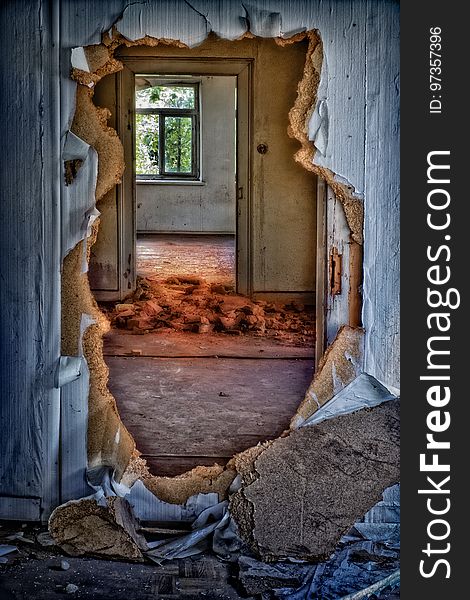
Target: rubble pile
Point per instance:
(192, 304)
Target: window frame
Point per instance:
(162, 113)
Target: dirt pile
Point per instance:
(191, 304)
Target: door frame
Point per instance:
(126, 192)
(321, 278)
(338, 271)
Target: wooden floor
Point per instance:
(208, 256)
(226, 396)
(181, 344)
(191, 399)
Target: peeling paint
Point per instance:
(261, 22)
(309, 117)
(78, 59)
(309, 124)
(89, 126)
(341, 364)
(145, 19)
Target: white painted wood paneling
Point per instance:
(381, 308)
(74, 409)
(29, 259)
(173, 19)
(20, 509)
(84, 21)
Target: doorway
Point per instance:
(211, 197)
(185, 169)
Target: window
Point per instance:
(167, 130)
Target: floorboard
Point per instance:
(188, 411)
(209, 256)
(197, 399)
(182, 344)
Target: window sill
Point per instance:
(169, 182)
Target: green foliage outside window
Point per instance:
(146, 144)
(164, 96)
(178, 147)
(174, 153)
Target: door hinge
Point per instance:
(240, 193)
(336, 261)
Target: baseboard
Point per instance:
(13, 508)
(307, 298)
(182, 233)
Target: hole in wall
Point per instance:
(109, 441)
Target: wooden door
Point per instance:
(112, 261)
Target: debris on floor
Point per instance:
(29, 577)
(326, 496)
(192, 304)
(359, 566)
(257, 577)
(6, 549)
(86, 527)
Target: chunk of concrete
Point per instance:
(85, 527)
(306, 490)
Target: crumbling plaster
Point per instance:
(289, 506)
(108, 440)
(309, 124)
(353, 127)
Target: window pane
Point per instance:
(178, 145)
(146, 144)
(166, 96)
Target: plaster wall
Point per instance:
(209, 205)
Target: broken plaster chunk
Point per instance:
(85, 527)
(71, 588)
(64, 565)
(309, 488)
(59, 565)
(44, 539)
(124, 307)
